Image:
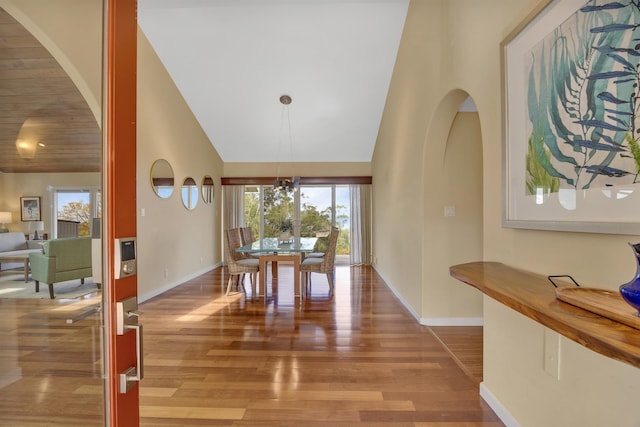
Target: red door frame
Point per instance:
(120, 196)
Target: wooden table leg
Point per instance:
(273, 259)
(26, 270)
(263, 274)
(296, 275)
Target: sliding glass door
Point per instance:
(309, 212)
(316, 211)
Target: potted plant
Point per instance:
(285, 227)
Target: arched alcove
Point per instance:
(453, 230)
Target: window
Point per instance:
(315, 208)
(73, 210)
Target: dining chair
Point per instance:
(237, 264)
(247, 235)
(324, 264)
(319, 249)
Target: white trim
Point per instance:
(398, 295)
(169, 286)
(435, 321)
(452, 321)
(502, 412)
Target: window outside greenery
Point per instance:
(78, 205)
(317, 204)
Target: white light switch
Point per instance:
(449, 211)
(142, 212)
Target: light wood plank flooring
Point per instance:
(50, 371)
(356, 359)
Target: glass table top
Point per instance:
(271, 244)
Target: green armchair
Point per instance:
(63, 259)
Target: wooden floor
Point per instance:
(50, 370)
(355, 359)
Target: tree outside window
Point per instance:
(315, 216)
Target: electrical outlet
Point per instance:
(552, 353)
(166, 273)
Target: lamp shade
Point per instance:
(5, 217)
(36, 225)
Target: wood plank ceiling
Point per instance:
(45, 123)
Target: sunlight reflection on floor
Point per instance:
(208, 309)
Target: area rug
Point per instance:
(12, 285)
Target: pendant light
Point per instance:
(285, 185)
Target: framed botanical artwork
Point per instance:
(572, 118)
(30, 208)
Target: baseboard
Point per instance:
(437, 321)
(502, 413)
(452, 321)
(171, 285)
(398, 295)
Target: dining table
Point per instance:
(272, 250)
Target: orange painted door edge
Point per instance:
(120, 196)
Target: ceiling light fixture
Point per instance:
(26, 148)
(286, 185)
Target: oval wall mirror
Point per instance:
(189, 193)
(207, 189)
(162, 178)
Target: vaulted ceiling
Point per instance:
(231, 60)
(45, 123)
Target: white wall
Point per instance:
(16, 185)
(455, 183)
(174, 244)
(591, 391)
(450, 49)
(184, 243)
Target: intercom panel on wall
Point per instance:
(125, 257)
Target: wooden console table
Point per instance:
(534, 296)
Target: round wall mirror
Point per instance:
(189, 193)
(207, 189)
(162, 178)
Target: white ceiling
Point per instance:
(233, 59)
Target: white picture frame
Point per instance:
(597, 202)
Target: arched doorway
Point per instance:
(453, 212)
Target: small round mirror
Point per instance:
(189, 193)
(207, 189)
(162, 178)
